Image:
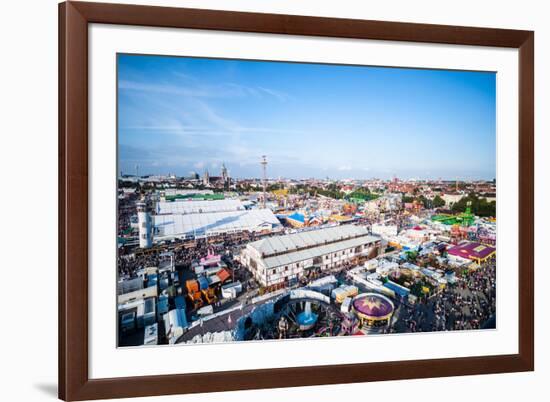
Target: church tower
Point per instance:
(225, 177)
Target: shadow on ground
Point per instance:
(47, 389)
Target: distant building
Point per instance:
(225, 176)
(223, 181)
(280, 259)
(450, 199)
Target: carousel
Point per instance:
(373, 310)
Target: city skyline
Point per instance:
(178, 115)
(216, 172)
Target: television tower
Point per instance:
(264, 171)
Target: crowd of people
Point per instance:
(183, 252)
(468, 304)
(126, 212)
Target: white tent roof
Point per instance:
(296, 241)
(197, 207)
(318, 251)
(174, 225)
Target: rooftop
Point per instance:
(197, 207)
(297, 217)
(276, 245)
(373, 305)
(200, 224)
(471, 250)
(195, 196)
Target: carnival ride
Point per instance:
(373, 310)
(298, 314)
(463, 219)
(462, 225)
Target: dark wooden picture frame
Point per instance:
(74, 382)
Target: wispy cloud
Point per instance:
(215, 118)
(198, 90)
(183, 114)
(165, 89)
(212, 131)
(277, 94)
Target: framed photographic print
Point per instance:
(259, 200)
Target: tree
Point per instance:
(438, 202)
(426, 203)
(362, 194)
(479, 206)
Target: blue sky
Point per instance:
(178, 115)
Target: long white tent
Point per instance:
(171, 226)
(185, 207)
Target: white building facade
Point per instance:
(280, 259)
